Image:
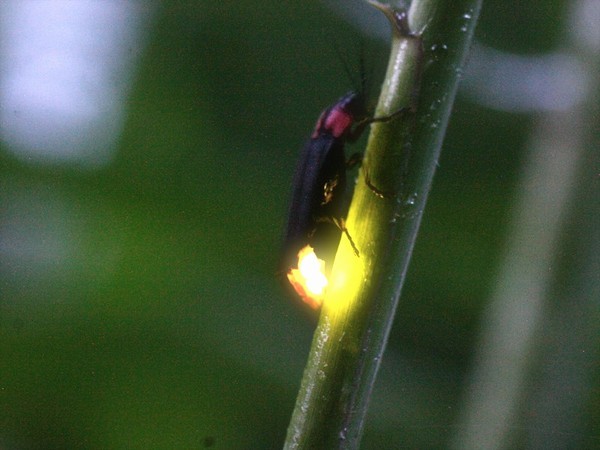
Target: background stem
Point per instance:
(543, 308)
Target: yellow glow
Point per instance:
(309, 280)
(345, 279)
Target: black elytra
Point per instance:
(317, 207)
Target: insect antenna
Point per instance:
(358, 85)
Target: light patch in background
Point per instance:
(65, 71)
(584, 24)
(495, 79)
(53, 246)
(524, 83)
(38, 239)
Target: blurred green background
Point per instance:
(139, 306)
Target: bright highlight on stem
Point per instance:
(309, 279)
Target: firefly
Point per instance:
(317, 207)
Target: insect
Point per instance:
(317, 207)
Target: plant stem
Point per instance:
(428, 49)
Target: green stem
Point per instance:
(401, 157)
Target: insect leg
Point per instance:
(354, 134)
(341, 224)
(378, 192)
